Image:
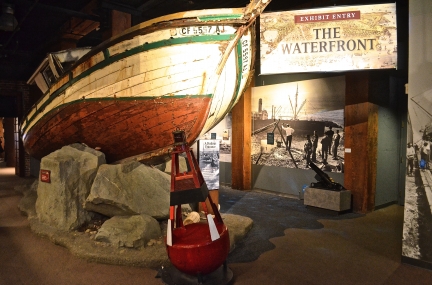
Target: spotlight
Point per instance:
(7, 19)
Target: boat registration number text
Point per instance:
(201, 30)
(245, 55)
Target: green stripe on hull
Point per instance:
(220, 17)
(133, 51)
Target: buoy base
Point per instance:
(172, 276)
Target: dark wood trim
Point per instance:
(241, 143)
(361, 137)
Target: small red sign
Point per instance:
(45, 176)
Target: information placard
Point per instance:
(45, 176)
(209, 162)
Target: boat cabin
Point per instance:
(54, 66)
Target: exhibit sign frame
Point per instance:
(208, 158)
(329, 39)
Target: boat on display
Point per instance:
(126, 96)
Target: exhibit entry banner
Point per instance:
(208, 153)
(329, 39)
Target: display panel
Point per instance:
(329, 39)
(209, 162)
(294, 111)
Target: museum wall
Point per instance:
(389, 92)
(417, 233)
(280, 177)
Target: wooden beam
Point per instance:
(361, 137)
(120, 21)
(76, 28)
(241, 143)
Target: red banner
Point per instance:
(327, 17)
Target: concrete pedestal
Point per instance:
(326, 199)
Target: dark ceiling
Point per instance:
(40, 24)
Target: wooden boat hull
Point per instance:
(127, 95)
(86, 121)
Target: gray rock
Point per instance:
(166, 167)
(27, 203)
(60, 202)
(80, 245)
(82, 147)
(130, 189)
(129, 231)
(238, 227)
(30, 185)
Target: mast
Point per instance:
(295, 110)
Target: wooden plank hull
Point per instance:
(127, 95)
(122, 128)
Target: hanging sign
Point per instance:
(329, 39)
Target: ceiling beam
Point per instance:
(68, 12)
(147, 5)
(76, 28)
(121, 7)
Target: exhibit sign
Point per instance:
(329, 39)
(208, 153)
(45, 176)
(223, 133)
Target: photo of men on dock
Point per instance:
(294, 111)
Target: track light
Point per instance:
(7, 19)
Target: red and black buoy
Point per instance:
(199, 248)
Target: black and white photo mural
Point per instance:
(417, 231)
(298, 122)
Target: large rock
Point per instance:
(60, 202)
(129, 231)
(130, 189)
(155, 256)
(238, 227)
(166, 167)
(28, 202)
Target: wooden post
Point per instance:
(120, 21)
(241, 142)
(361, 136)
